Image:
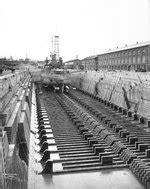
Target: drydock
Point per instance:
(95, 135)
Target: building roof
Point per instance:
(128, 47)
(120, 49)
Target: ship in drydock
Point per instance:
(54, 75)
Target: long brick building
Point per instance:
(135, 57)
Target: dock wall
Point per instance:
(129, 90)
(15, 110)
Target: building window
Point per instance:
(138, 59)
(139, 52)
(143, 59)
(118, 60)
(134, 59)
(121, 60)
(143, 51)
(129, 60)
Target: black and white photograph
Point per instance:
(74, 94)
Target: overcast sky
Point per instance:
(85, 27)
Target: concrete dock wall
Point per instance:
(15, 110)
(129, 90)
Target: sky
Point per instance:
(85, 27)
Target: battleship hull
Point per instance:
(54, 79)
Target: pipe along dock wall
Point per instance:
(15, 110)
(129, 91)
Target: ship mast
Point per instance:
(55, 48)
(55, 59)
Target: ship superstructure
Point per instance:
(54, 74)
